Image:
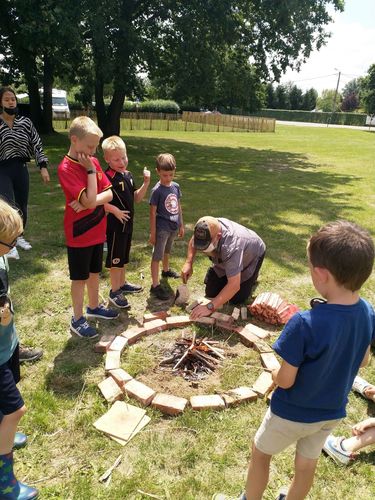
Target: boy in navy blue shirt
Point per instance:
(322, 350)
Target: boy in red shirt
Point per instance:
(86, 190)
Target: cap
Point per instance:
(204, 231)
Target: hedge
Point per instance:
(314, 117)
(155, 106)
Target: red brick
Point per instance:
(259, 332)
(261, 346)
(112, 360)
(205, 320)
(168, 404)
(120, 376)
(134, 334)
(110, 390)
(139, 391)
(239, 395)
(118, 344)
(104, 343)
(155, 326)
(264, 384)
(207, 402)
(236, 313)
(191, 306)
(243, 312)
(156, 315)
(225, 318)
(269, 361)
(247, 338)
(226, 325)
(178, 321)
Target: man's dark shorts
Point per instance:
(118, 249)
(83, 261)
(10, 397)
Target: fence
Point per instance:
(190, 122)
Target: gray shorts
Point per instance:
(163, 244)
(276, 433)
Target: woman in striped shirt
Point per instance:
(19, 141)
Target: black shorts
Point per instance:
(118, 249)
(10, 397)
(83, 261)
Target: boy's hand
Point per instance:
(85, 161)
(363, 426)
(76, 206)
(146, 175)
(121, 215)
(181, 232)
(152, 239)
(5, 314)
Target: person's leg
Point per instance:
(21, 189)
(117, 275)
(8, 427)
(93, 290)
(166, 262)
(257, 475)
(77, 293)
(358, 442)
(304, 471)
(6, 185)
(155, 273)
(243, 293)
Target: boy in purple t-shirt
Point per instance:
(165, 221)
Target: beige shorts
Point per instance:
(276, 433)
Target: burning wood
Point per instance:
(271, 308)
(193, 359)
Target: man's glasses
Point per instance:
(9, 245)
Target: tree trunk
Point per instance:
(112, 126)
(30, 71)
(47, 95)
(99, 103)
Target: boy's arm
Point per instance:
(88, 196)
(285, 376)
(366, 358)
(104, 197)
(121, 215)
(181, 230)
(140, 193)
(152, 224)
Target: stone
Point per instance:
(110, 390)
(168, 404)
(120, 376)
(112, 360)
(178, 321)
(104, 343)
(239, 395)
(269, 361)
(264, 384)
(207, 402)
(140, 392)
(156, 315)
(134, 334)
(118, 344)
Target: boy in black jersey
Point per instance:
(120, 217)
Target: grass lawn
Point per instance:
(282, 185)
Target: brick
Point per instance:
(112, 360)
(207, 402)
(120, 376)
(243, 312)
(226, 325)
(156, 315)
(205, 320)
(134, 334)
(168, 404)
(118, 344)
(155, 326)
(264, 384)
(269, 361)
(191, 306)
(236, 313)
(110, 390)
(139, 391)
(225, 318)
(259, 332)
(178, 321)
(247, 338)
(261, 346)
(104, 343)
(239, 395)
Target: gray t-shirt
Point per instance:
(166, 199)
(238, 250)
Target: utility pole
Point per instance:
(334, 99)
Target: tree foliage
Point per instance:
(368, 91)
(329, 101)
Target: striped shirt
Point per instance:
(21, 142)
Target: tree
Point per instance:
(368, 91)
(350, 102)
(309, 99)
(326, 102)
(295, 97)
(282, 97)
(270, 97)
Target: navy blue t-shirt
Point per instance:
(166, 199)
(327, 344)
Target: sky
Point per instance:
(350, 50)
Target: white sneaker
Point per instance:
(22, 243)
(13, 254)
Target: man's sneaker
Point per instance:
(131, 288)
(170, 274)
(22, 243)
(159, 293)
(83, 329)
(29, 355)
(101, 312)
(13, 254)
(118, 300)
(334, 449)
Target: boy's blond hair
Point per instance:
(11, 225)
(113, 143)
(166, 161)
(82, 126)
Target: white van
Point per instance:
(60, 107)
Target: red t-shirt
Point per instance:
(86, 228)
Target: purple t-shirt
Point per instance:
(166, 199)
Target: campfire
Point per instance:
(193, 359)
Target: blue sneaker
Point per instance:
(131, 288)
(82, 328)
(20, 440)
(101, 312)
(27, 492)
(118, 300)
